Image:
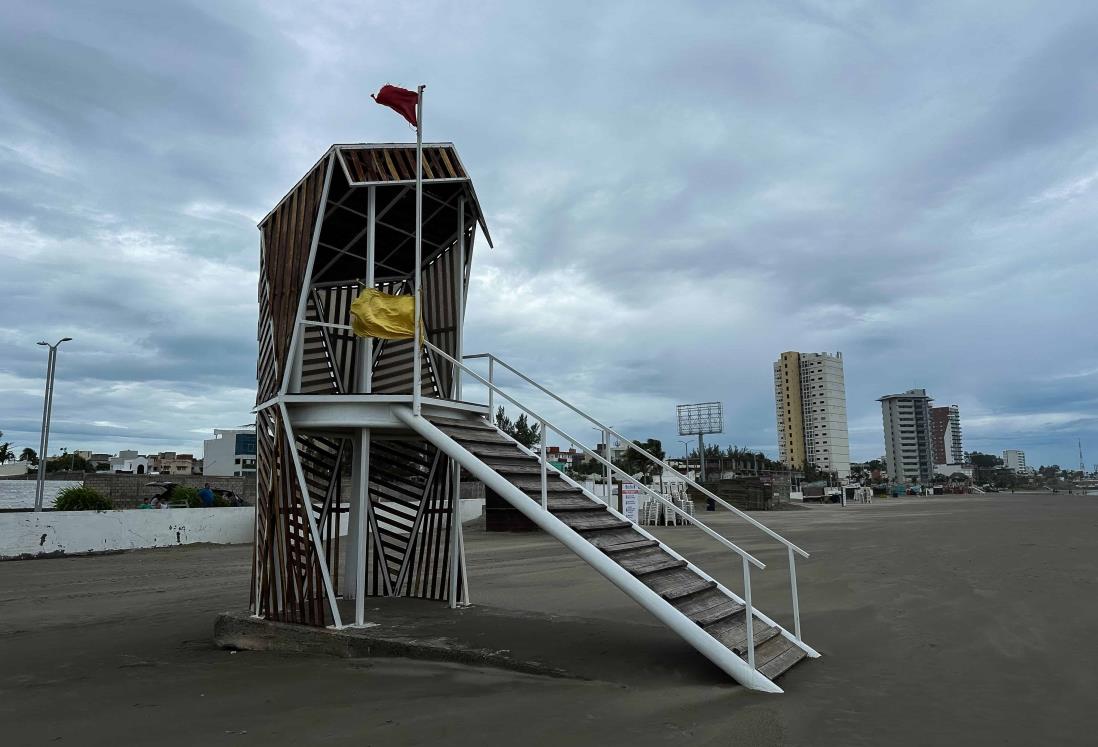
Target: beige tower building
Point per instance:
(810, 406)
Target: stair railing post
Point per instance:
(544, 473)
(750, 613)
(491, 391)
(609, 480)
(796, 600)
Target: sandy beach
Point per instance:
(952, 620)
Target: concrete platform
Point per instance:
(533, 643)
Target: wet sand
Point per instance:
(949, 620)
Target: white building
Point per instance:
(230, 453)
(909, 455)
(810, 406)
(129, 462)
(1015, 459)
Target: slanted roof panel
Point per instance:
(396, 162)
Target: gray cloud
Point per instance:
(678, 194)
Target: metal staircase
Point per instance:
(722, 625)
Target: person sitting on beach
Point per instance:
(206, 496)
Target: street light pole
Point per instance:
(47, 408)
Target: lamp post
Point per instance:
(47, 407)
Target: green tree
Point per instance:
(67, 462)
(6, 454)
(29, 456)
(633, 462)
(520, 430)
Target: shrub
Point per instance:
(186, 494)
(79, 498)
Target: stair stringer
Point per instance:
(659, 607)
(811, 652)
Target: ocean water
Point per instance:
(20, 493)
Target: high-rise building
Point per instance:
(909, 456)
(945, 427)
(1015, 459)
(810, 405)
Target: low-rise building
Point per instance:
(171, 463)
(129, 462)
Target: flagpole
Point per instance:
(417, 358)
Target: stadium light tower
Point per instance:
(698, 420)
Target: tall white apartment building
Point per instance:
(1015, 459)
(810, 407)
(909, 452)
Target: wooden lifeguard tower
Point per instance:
(336, 410)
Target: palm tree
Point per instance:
(29, 456)
(6, 454)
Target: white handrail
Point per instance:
(610, 465)
(759, 525)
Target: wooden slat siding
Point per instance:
(398, 163)
(403, 468)
(287, 235)
(413, 552)
(450, 170)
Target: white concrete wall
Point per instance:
(64, 532)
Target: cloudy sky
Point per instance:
(677, 193)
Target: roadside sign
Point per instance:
(630, 501)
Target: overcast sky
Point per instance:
(677, 193)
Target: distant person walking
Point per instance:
(206, 496)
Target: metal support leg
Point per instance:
(796, 601)
(455, 534)
(750, 613)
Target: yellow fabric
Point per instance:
(377, 314)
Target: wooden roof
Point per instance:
(365, 164)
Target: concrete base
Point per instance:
(543, 644)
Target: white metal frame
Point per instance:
(791, 548)
(663, 610)
(746, 558)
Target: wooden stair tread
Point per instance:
(676, 582)
(533, 482)
(441, 422)
(475, 435)
(519, 465)
(717, 612)
(653, 565)
(579, 502)
(630, 545)
(493, 450)
(586, 521)
(700, 601)
(616, 537)
(781, 662)
(731, 631)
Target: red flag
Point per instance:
(400, 100)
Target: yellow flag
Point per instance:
(377, 314)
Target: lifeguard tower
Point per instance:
(334, 408)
